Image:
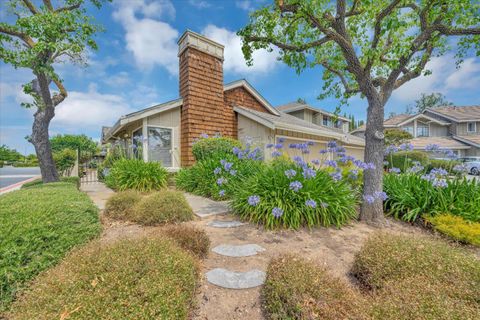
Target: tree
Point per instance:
(365, 47)
(433, 100)
(10, 155)
(40, 37)
(73, 142)
(396, 136)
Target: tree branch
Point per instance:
(58, 98)
(68, 8)
(30, 6)
(48, 4)
(450, 31)
(343, 79)
(289, 47)
(22, 36)
(353, 10)
(417, 70)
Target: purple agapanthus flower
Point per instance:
(316, 162)
(311, 203)
(223, 161)
(253, 200)
(406, 147)
(221, 181)
(217, 170)
(278, 146)
(276, 154)
(391, 149)
(323, 151)
(394, 170)
(369, 199)
(292, 146)
(332, 144)
(295, 186)
(331, 163)
(353, 174)
(221, 193)
(233, 172)
(309, 173)
(310, 143)
(440, 183)
(277, 212)
(336, 176)
(235, 150)
(439, 171)
(204, 135)
(380, 195)
(460, 168)
(432, 147)
(269, 145)
(290, 173)
(340, 149)
(281, 140)
(227, 166)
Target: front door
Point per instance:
(160, 145)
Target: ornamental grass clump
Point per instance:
(294, 193)
(146, 278)
(120, 205)
(137, 175)
(190, 238)
(166, 206)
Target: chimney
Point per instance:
(201, 87)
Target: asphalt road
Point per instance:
(11, 175)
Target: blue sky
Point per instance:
(136, 66)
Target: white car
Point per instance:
(472, 164)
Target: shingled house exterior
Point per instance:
(454, 128)
(166, 132)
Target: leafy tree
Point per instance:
(10, 155)
(73, 142)
(433, 100)
(396, 136)
(40, 36)
(365, 47)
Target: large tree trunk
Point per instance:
(374, 151)
(41, 141)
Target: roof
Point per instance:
(458, 114)
(287, 122)
(395, 120)
(295, 106)
(443, 142)
(473, 140)
(244, 83)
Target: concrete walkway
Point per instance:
(98, 192)
(204, 207)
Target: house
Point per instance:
(167, 131)
(454, 128)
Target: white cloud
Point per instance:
(244, 5)
(151, 41)
(444, 78)
(200, 4)
(90, 110)
(15, 91)
(117, 80)
(263, 61)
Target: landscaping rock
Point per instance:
(236, 280)
(225, 224)
(238, 251)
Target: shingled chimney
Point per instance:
(201, 87)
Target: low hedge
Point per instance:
(147, 278)
(456, 228)
(298, 289)
(38, 226)
(166, 206)
(404, 159)
(38, 182)
(192, 239)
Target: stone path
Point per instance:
(204, 207)
(98, 192)
(233, 279)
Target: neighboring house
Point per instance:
(166, 132)
(454, 128)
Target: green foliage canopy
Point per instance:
(74, 142)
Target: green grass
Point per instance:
(38, 225)
(147, 278)
(37, 182)
(402, 277)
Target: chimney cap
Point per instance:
(201, 43)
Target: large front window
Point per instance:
(137, 143)
(160, 145)
(422, 131)
(409, 130)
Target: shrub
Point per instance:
(37, 182)
(38, 226)
(147, 278)
(137, 175)
(456, 227)
(200, 179)
(444, 164)
(206, 148)
(65, 159)
(2, 163)
(166, 206)
(298, 289)
(114, 154)
(410, 196)
(27, 164)
(189, 238)
(120, 205)
(404, 159)
(320, 201)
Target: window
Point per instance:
(422, 131)
(137, 143)
(409, 130)
(472, 127)
(325, 121)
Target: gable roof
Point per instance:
(444, 142)
(473, 140)
(458, 114)
(295, 106)
(288, 122)
(396, 119)
(250, 89)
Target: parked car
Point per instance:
(472, 164)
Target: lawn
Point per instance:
(38, 226)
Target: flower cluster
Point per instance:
(416, 168)
(437, 177)
(295, 186)
(277, 212)
(377, 195)
(253, 200)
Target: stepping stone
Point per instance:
(235, 280)
(238, 251)
(225, 224)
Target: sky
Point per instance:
(136, 66)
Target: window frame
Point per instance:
(474, 125)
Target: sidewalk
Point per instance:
(98, 192)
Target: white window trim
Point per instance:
(475, 127)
